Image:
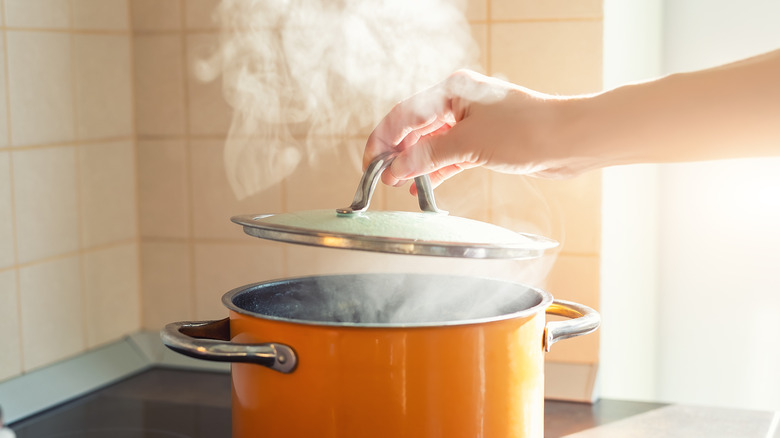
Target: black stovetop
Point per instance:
(158, 403)
(175, 403)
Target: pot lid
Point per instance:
(431, 232)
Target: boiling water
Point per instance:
(387, 299)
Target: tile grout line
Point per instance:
(69, 254)
(7, 85)
(177, 31)
(136, 167)
(489, 71)
(15, 266)
(70, 30)
(205, 240)
(85, 31)
(488, 38)
(183, 240)
(77, 152)
(356, 136)
(587, 18)
(18, 277)
(489, 20)
(100, 140)
(188, 159)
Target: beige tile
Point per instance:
(305, 260)
(548, 9)
(327, 178)
(7, 257)
(159, 85)
(396, 198)
(517, 203)
(200, 14)
(46, 202)
(208, 112)
(577, 204)
(48, 14)
(156, 14)
(108, 201)
(166, 284)
(52, 311)
(4, 134)
(543, 55)
(11, 359)
(466, 195)
(568, 211)
(39, 73)
(476, 10)
(575, 278)
(220, 267)
(479, 33)
(213, 200)
(112, 294)
(100, 14)
(103, 86)
(162, 189)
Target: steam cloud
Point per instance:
(301, 75)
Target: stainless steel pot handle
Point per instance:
(370, 178)
(584, 320)
(210, 340)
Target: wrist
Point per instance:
(606, 129)
(580, 137)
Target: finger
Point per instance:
(421, 112)
(434, 128)
(439, 176)
(445, 147)
(393, 180)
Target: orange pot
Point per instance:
(351, 357)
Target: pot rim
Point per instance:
(546, 300)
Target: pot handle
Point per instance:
(210, 340)
(584, 320)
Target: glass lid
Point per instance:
(431, 232)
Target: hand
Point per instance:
(471, 120)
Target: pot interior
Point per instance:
(387, 300)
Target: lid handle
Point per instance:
(370, 178)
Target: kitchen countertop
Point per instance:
(175, 403)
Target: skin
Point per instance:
(470, 120)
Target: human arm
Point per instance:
(471, 120)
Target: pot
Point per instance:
(385, 355)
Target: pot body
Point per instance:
(384, 355)
(480, 380)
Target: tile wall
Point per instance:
(192, 253)
(68, 225)
(114, 204)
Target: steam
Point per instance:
(301, 75)
(389, 299)
(411, 288)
